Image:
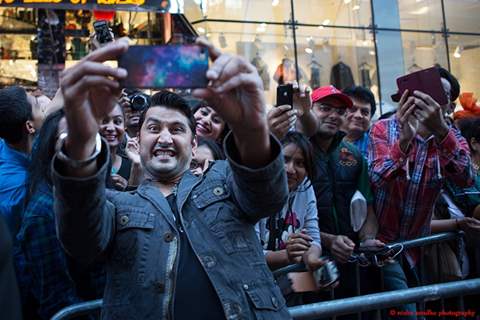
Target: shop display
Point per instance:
(341, 76)
(285, 72)
(365, 75)
(262, 69)
(315, 73)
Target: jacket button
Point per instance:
(209, 262)
(168, 236)
(275, 302)
(124, 220)
(160, 287)
(218, 191)
(245, 286)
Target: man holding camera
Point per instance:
(411, 155)
(133, 103)
(181, 246)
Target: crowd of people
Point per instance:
(180, 206)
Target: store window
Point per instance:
(465, 56)
(420, 14)
(342, 57)
(333, 12)
(268, 47)
(462, 15)
(253, 10)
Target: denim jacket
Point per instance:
(137, 235)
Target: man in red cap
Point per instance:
(341, 170)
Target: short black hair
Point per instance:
(455, 86)
(15, 110)
(305, 146)
(363, 94)
(196, 104)
(170, 100)
(213, 146)
(470, 128)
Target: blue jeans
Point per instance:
(395, 279)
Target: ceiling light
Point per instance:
(321, 27)
(347, 1)
(275, 2)
(420, 11)
(371, 52)
(201, 30)
(326, 22)
(356, 7)
(365, 42)
(458, 52)
(309, 50)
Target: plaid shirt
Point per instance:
(40, 261)
(406, 186)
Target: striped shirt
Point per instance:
(406, 186)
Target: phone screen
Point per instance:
(167, 66)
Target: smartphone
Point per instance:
(102, 32)
(285, 95)
(427, 80)
(165, 66)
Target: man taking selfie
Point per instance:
(181, 246)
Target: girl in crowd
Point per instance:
(125, 170)
(207, 151)
(292, 234)
(46, 279)
(209, 124)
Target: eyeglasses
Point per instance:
(329, 109)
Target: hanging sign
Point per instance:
(126, 5)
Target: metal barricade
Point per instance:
(389, 299)
(349, 305)
(78, 310)
(342, 306)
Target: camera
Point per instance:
(326, 275)
(139, 101)
(102, 32)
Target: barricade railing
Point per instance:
(390, 299)
(344, 306)
(78, 310)
(89, 307)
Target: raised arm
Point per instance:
(85, 219)
(236, 93)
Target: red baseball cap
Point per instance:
(332, 92)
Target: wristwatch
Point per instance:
(77, 164)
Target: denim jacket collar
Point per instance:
(151, 192)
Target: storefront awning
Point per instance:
(123, 5)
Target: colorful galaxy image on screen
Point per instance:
(170, 66)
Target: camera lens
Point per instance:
(139, 102)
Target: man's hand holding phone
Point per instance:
(408, 123)
(281, 119)
(90, 90)
(429, 113)
(235, 91)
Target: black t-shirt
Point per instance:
(195, 297)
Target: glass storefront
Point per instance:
(366, 42)
(377, 40)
